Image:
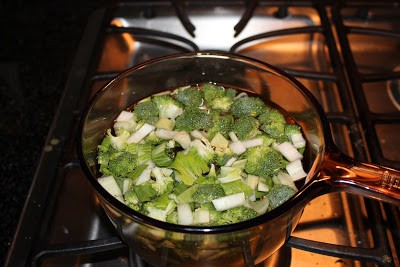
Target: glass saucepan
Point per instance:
(164, 244)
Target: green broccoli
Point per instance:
(221, 156)
(152, 139)
(236, 215)
(246, 127)
(207, 192)
(163, 181)
(131, 199)
(263, 161)
(162, 155)
(122, 163)
(152, 210)
(217, 97)
(221, 124)
(204, 149)
(273, 124)
(191, 97)
(279, 194)
(172, 217)
(168, 107)
(247, 106)
(189, 165)
(194, 119)
(147, 111)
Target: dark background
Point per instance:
(38, 42)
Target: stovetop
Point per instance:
(346, 54)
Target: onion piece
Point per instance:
(183, 138)
(185, 214)
(165, 134)
(230, 162)
(237, 147)
(295, 170)
(229, 202)
(111, 186)
(298, 140)
(201, 216)
(144, 176)
(125, 116)
(252, 142)
(285, 179)
(141, 133)
(288, 151)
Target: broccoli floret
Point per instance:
(163, 181)
(152, 210)
(207, 192)
(122, 163)
(221, 156)
(189, 165)
(247, 106)
(246, 127)
(214, 214)
(204, 149)
(168, 107)
(217, 97)
(152, 139)
(273, 124)
(191, 97)
(235, 215)
(263, 161)
(221, 124)
(131, 200)
(162, 155)
(172, 217)
(194, 119)
(119, 140)
(279, 194)
(147, 111)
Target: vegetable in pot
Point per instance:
(202, 155)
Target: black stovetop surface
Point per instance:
(36, 51)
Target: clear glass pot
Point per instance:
(164, 244)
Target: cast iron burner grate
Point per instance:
(327, 30)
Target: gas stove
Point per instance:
(346, 53)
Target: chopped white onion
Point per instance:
(201, 216)
(285, 179)
(165, 134)
(111, 186)
(144, 176)
(141, 133)
(233, 136)
(252, 181)
(126, 184)
(253, 142)
(262, 186)
(183, 138)
(125, 116)
(185, 214)
(298, 140)
(197, 134)
(288, 151)
(230, 162)
(229, 202)
(295, 170)
(237, 147)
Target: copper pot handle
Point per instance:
(371, 180)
